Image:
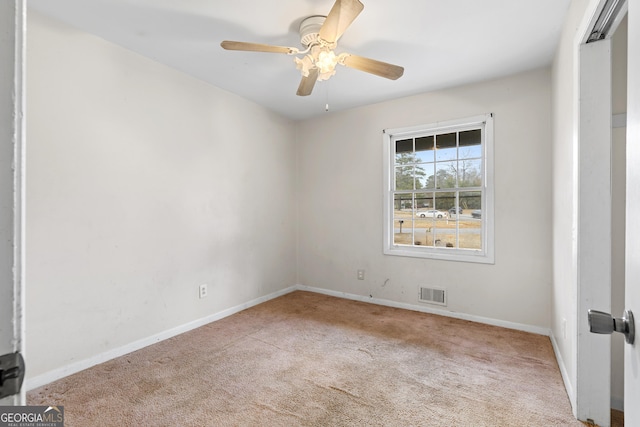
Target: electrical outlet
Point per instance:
(202, 291)
(360, 274)
(564, 328)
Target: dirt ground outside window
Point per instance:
(438, 232)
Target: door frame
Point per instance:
(632, 250)
(12, 188)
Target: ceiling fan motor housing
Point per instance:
(310, 28)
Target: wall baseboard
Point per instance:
(56, 374)
(424, 309)
(565, 375)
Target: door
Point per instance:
(594, 189)
(632, 286)
(12, 31)
(594, 237)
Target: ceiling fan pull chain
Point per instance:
(326, 105)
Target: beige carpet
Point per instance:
(313, 360)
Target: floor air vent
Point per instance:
(433, 296)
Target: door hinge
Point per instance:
(11, 374)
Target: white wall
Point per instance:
(340, 202)
(142, 184)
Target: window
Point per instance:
(439, 190)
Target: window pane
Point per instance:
(470, 174)
(404, 146)
(408, 158)
(424, 149)
(424, 218)
(470, 144)
(402, 231)
(470, 223)
(403, 218)
(422, 231)
(429, 179)
(424, 215)
(471, 200)
(421, 175)
(470, 137)
(456, 208)
(401, 202)
(446, 174)
(420, 240)
(443, 224)
(404, 178)
(445, 201)
(444, 238)
(470, 235)
(446, 147)
(423, 201)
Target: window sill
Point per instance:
(449, 255)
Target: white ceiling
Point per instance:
(440, 43)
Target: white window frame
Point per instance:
(484, 255)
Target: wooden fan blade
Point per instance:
(372, 66)
(307, 83)
(255, 47)
(342, 14)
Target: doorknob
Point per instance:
(604, 323)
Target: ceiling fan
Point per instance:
(320, 34)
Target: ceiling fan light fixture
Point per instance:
(326, 61)
(322, 59)
(304, 65)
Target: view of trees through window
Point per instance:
(438, 190)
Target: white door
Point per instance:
(594, 242)
(632, 287)
(12, 25)
(593, 392)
